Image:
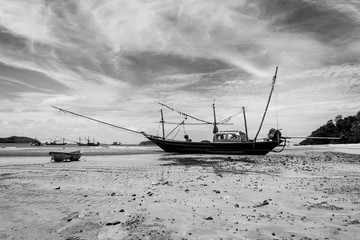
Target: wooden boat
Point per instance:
(207, 147)
(65, 156)
(230, 142)
(221, 144)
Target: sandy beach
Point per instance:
(144, 193)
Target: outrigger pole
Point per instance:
(267, 105)
(93, 119)
(184, 114)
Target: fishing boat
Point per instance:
(88, 143)
(65, 156)
(226, 142)
(232, 147)
(56, 142)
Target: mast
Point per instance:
(267, 105)
(215, 129)
(246, 130)
(162, 123)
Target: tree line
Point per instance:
(347, 129)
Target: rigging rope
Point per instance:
(229, 118)
(175, 129)
(177, 133)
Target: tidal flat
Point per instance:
(144, 193)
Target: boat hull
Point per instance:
(55, 143)
(65, 156)
(233, 148)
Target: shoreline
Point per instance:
(33, 151)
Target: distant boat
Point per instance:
(65, 156)
(35, 143)
(56, 142)
(88, 143)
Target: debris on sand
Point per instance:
(264, 203)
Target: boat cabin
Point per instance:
(237, 136)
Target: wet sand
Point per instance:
(311, 193)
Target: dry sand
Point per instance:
(294, 195)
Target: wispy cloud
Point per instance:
(116, 59)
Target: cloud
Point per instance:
(27, 19)
(116, 59)
(329, 22)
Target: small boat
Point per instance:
(65, 156)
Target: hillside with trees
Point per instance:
(347, 129)
(16, 139)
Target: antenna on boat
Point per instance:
(267, 105)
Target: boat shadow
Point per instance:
(201, 160)
(222, 164)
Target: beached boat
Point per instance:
(207, 147)
(225, 142)
(235, 142)
(65, 156)
(229, 142)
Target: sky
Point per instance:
(115, 60)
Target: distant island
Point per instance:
(347, 129)
(16, 139)
(147, 143)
